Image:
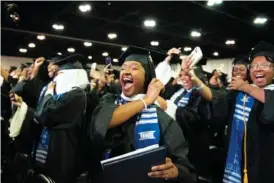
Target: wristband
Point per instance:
(144, 103)
(200, 87)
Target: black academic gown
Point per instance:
(194, 120)
(120, 139)
(30, 91)
(63, 118)
(260, 133)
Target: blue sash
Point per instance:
(147, 130)
(233, 170)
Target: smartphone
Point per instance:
(93, 65)
(196, 55)
(108, 61)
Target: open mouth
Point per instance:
(259, 77)
(127, 82)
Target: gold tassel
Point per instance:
(245, 176)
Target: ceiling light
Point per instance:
(32, 45)
(260, 20)
(216, 54)
(195, 34)
(124, 48)
(149, 23)
(105, 54)
(84, 8)
(23, 50)
(59, 53)
(115, 60)
(112, 35)
(230, 42)
(213, 2)
(58, 26)
(71, 50)
(41, 37)
(154, 43)
(89, 57)
(87, 44)
(187, 48)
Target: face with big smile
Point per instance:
(261, 71)
(187, 84)
(239, 70)
(132, 78)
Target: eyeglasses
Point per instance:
(240, 69)
(263, 66)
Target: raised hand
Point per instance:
(15, 99)
(39, 61)
(153, 91)
(237, 83)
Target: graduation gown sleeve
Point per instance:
(267, 115)
(177, 147)
(170, 90)
(53, 111)
(101, 118)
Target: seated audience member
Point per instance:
(117, 120)
(249, 110)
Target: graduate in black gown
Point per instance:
(193, 113)
(115, 131)
(249, 110)
(62, 112)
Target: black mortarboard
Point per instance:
(143, 56)
(116, 73)
(241, 59)
(175, 58)
(12, 68)
(25, 65)
(203, 61)
(74, 61)
(263, 49)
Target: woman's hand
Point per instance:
(165, 171)
(15, 99)
(153, 91)
(39, 61)
(187, 70)
(237, 83)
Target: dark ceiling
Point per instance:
(175, 20)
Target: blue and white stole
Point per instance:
(233, 170)
(43, 145)
(184, 100)
(147, 130)
(233, 173)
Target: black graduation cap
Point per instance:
(12, 68)
(203, 61)
(263, 49)
(25, 65)
(75, 61)
(116, 74)
(143, 56)
(241, 59)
